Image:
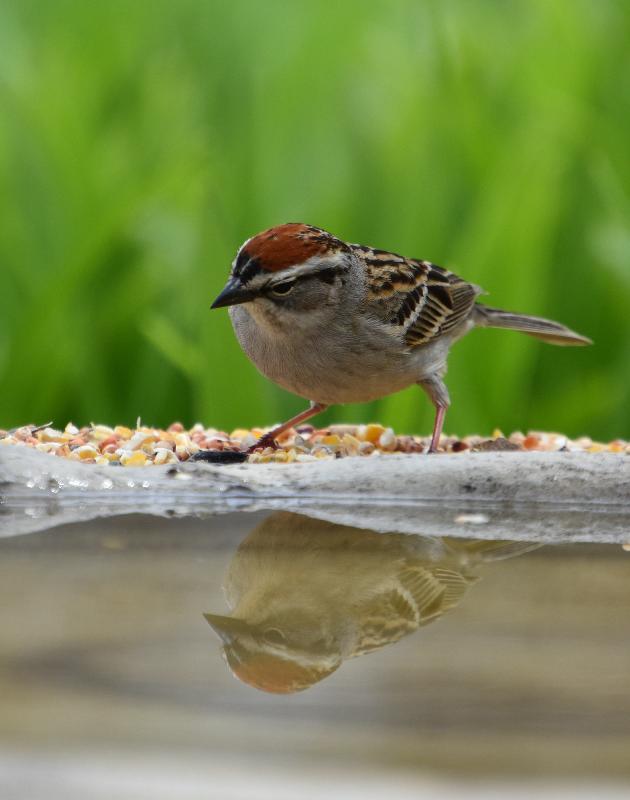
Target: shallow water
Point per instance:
(397, 664)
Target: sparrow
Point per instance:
(305, 595)
(346, 323)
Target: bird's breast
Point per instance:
(328, 364)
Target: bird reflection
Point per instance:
(306, 594)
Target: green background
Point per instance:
(142, 142)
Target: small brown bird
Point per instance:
(344, 323)
(305, 595)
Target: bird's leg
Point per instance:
(269, 439)
(437, 391)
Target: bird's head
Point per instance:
(290, 269)
(265, 658)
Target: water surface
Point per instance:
(261, 655)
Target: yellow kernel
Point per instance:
(101, 432)
(122, 431)
(373, 433)
(50, 435)
(497, 433)
(86, 451)
(239, 433)
(136, 459)
(331, 439)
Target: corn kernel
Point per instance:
(373, 432)
(239, 433)
(596, 447)
(122, 431)
(136, 459)
(87, 451)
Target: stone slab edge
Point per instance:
(538, 496)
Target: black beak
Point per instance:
(233, 294)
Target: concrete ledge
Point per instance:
(548, 497)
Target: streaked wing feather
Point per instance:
(386, 619)
(435, 589)
(423, 299)
(446, 305)
(423, 594)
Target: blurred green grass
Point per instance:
(142, 142)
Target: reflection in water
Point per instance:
(306, 594)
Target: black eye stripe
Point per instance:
(326, 275)
(246, 268)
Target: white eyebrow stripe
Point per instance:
(312, 266)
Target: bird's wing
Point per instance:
(434, 588)
(388, 617)
(423, 593)
(422, 299)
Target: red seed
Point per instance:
(113, 439)
(458, 447)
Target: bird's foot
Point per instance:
(236, 456)
(265, 441)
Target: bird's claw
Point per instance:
(263, 443)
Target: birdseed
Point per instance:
(144, 446)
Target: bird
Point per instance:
(335, 322)
(306, 595)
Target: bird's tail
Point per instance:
(545, 329)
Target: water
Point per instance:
(391, 664)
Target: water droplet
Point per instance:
(76, 483)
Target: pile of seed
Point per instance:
(143, 445)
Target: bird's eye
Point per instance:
(274, 636)
(282, 289)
